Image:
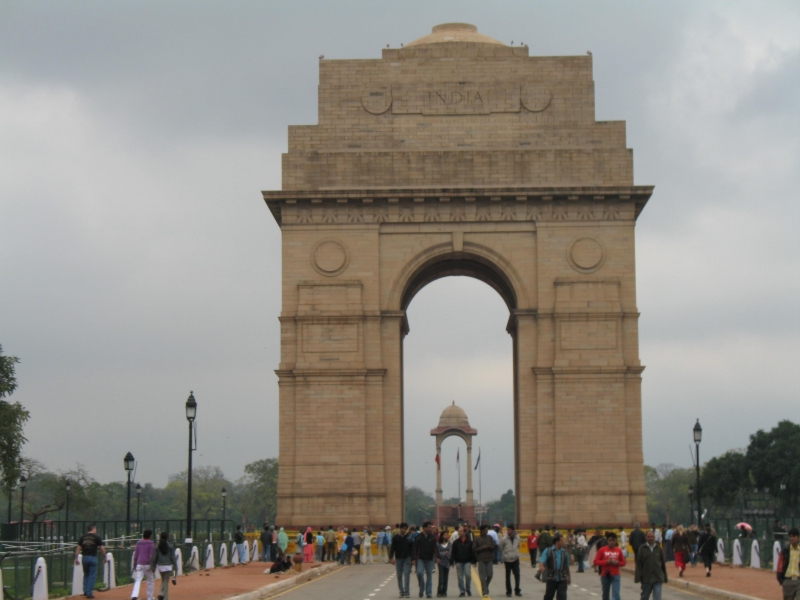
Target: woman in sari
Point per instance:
(308, 548)
(283, 542)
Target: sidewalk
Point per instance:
(732, 583)
(219, 583)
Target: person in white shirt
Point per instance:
(493, 534)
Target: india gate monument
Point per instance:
(459, 155)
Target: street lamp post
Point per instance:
(138, 505)
(11, 495)
(68, 487)
(698, 437)
(191, 413)
(224, 498)
(23, 482)
(129, 462)
(691, 503)
(144, 510)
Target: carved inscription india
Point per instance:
(457, 98)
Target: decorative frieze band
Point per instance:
(331, 210)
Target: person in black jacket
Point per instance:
(463, 557)
(400, 557)
(636, 538)
(707, 547)
(424, 556)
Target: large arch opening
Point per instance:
(458, 348)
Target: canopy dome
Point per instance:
(454, 32)
(454, 416)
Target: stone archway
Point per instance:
(458, 155)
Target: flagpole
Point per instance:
(458, 467)
(480, 494)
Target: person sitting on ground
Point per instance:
(284, 563)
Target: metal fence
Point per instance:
(68, 532)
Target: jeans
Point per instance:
(444, 573)
(89, 574)
(580, 564)
(651, 587)
(264, 552)
(485, 573)
(242, 553)
(464, 576)
(610, 584)
(425, 570)
(532, 552)
(513, 567)
(708, 561)
(694, 554)
(403, 568)
(498, 558)
(140, 573)
(330, 551)
(557, 589)
(320, 553)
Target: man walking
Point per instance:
(143, 556)
(651, 568)
(509, 550)
(707, 548)
(554, 564)
(330, 544)
(694, 536)
(789, 566)
(545, 539)
(88, 546)
(424, 557)
(493, 533)
(266, 543)
(463, 557)
(610, 558)
(400, 557)
(484, 548)
(238, 539)
(637, 538)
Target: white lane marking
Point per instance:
(593, 594)
(584, 590)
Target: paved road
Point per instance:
(378, 582)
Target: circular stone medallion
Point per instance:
(586, 255)
(329, 257)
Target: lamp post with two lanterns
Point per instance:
(128, 462)
(698, 437)
(191, 414)
(23, 482)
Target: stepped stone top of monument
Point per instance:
(454, 32)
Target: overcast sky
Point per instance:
(138, 260)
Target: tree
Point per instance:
(723, 478)
(773, 459)
(668, 493)
(503, 510)
(419, 506)
(259, 488)
(207, 483)
(12, 421)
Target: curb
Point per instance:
(275, 588)
(704, 590)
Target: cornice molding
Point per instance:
(456, 205)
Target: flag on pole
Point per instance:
(458, 453)
(477, 462)
(438, 462)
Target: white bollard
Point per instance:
(194, 559)
(77, 576)
(223, 555)
(235, 554)
(40, 585)
(210, 557)
(776, 555)
(254, 555)
(179, 560)
(737, 553)
(755, 555)
(110, 572)
(246, 552)
(720, 551)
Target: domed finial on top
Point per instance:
(454, 32)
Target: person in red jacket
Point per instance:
(533, 546)
(610, 558)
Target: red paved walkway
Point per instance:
(759, 583)
(211, 585)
